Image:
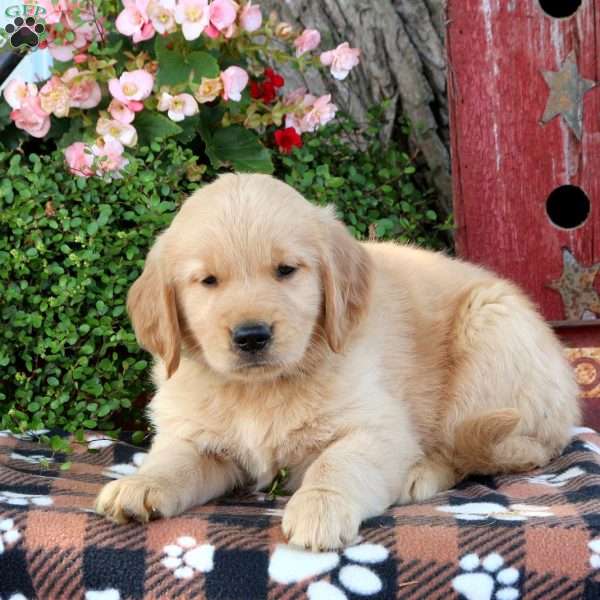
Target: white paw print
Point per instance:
(26, 436)
(594, 546)
(9, 534)
(108, 594)
(557, 479)
(479, 511)
(16, 499)
(290, 565)
(32, 459)
(123, 469)
(97, 442)
(487, 579)
(186, 557)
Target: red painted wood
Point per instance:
(505, 163)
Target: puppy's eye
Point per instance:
(210, 281)
(285, 271)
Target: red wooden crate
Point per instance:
(525, 122)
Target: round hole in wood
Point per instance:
(560, 9)
(568, 207)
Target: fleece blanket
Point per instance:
(534, 535)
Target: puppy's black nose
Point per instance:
(251, 337)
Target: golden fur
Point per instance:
(393, 371)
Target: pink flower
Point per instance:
(79, 159)
(234, 79)
(179, 106)
(294, 96)
(122, 132)
(341, 60)
(134, 20)
(307, 41)
(250, 17)
(55, 9)
(85, 30)
(16, 91)
(109, 159)
(54, 97)
(321, 112)
(131, 88)
(162, 15)
(193, 16)
(83, 88)
(120, 112)
(222, 14)
(31, 117)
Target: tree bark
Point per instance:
(403, 59)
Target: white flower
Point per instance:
(193, 16)
(179, 107)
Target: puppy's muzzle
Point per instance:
(251, 337)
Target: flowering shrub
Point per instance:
(178, 69)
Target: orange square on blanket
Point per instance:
(53, 530)
(557, 550)
(426, 543)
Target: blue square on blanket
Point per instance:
(238, 574)
(117, 569)
(14, 573)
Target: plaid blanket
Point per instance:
(533, 536)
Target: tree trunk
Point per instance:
(403, 59)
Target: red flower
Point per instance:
(256, 90)
(287, 139)
(269, 94)
(274, 78)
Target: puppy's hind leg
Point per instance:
(513, 398)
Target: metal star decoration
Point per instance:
(576, 287)
(567, 88)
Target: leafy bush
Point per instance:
(372, 185)
(69, 250)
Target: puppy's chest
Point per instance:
(265, 443)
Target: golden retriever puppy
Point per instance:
(377, 373)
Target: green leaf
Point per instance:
(202, 64)
(172, 68)
(241, 148)
(152, 125)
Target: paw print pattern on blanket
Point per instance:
(291, 565)
(17, 499)
(487, 579)
(557, 479)
(594, 546)
(9, 534)
(479, 511)
(121, 470)
(186, 557)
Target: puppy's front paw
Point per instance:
(320, 520)
(137, 497)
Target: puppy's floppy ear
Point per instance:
(153, 310)
(346, 270)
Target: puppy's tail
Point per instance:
(479, 444)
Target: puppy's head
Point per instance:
(249, 278)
